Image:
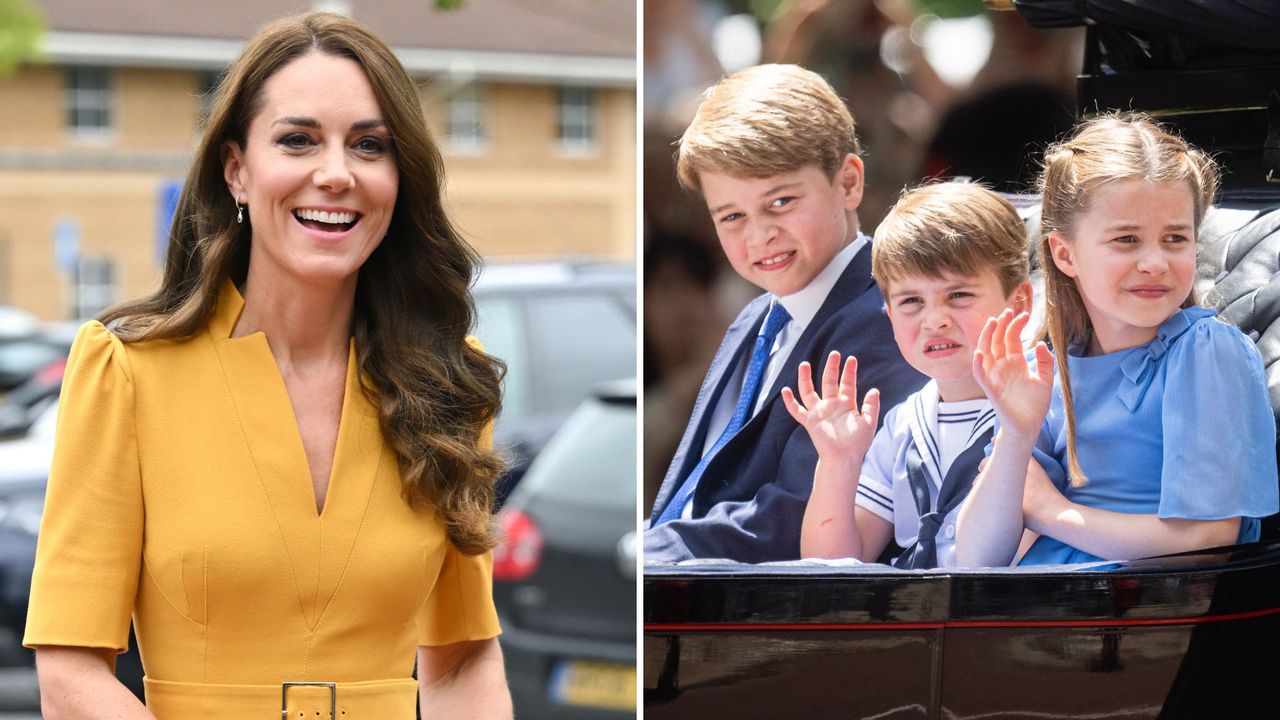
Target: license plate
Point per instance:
(594, 684)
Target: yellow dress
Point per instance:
(180, 494)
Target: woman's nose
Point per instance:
(334, 174)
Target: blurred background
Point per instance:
(534, 107)
(937, 88)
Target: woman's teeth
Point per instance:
(328, 218)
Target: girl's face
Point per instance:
(317, 172)
(1133, 257)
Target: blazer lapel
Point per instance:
(854, 281)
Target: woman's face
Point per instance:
(316, 171)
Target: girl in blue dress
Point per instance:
(1156, 435)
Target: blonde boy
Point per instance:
(947, 258)
(773, 152)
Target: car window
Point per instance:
(579, 340)
(591, 460)
(501, 329)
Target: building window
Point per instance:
(95, 286)
(89, 100)
(577, 118)
(467, 128)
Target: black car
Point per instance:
(562, 328)
(564, 576)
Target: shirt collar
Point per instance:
(804, 304)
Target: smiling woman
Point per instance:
(279, 463)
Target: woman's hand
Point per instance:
(839, 431)
(1019, 396)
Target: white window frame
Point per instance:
(576, 124)
(80, 97)
(96, 286)
(467, 125)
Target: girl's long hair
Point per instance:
(1102, 150)
(435, 392)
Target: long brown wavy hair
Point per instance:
(1105, 149)
(435, 392)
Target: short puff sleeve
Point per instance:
(1219, 432)
(89, 550)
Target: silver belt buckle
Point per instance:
(284, 696)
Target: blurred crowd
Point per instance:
(938, 88)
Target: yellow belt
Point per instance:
(370, 700)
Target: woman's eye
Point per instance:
(295, 141)
(371, 145)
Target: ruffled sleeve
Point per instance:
(89, 550)
(460, 606)
(1219, 432)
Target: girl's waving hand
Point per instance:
(1020, 397)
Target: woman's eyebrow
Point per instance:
(313, 123)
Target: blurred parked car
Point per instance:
(562, 328)
(564, 576)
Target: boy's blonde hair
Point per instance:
(961, 228)
(764, 121)
(1105, 149)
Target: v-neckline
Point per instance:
(231, 306)
(317, 544)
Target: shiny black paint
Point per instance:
(1188, 636)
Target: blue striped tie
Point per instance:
(751, 385)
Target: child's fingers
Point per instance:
(999, 345)
(849, 382)
(804, 383)
(981, 356)
(871, 406)
(831, 375)
(1013, 336)
(793, 407)
(980, 371)
(1044, 361)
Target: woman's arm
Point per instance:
(1115, 535)
(78, 683)
(464, 680)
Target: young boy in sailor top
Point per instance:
(947, 257)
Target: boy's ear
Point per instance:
(1063, 255)
(232, 164)
(1020, 299)
(850, 177)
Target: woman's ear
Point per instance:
(1063, 255)
(232, 169)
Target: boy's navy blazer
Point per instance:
(749, 504)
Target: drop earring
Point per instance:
(239, 212)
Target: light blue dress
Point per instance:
(1180, 427)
